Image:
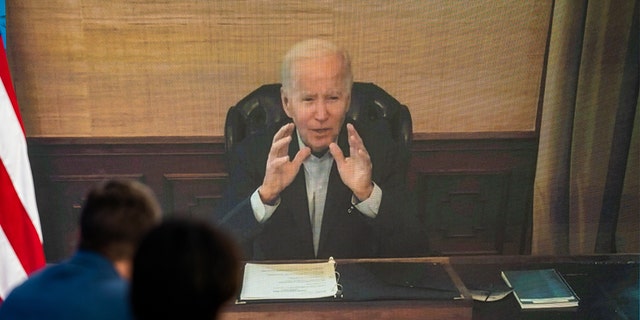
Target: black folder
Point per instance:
(369, 281)
(396, 281)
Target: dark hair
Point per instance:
(115, 216)
(184, 269)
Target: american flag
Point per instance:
(21, 250)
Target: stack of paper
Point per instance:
(289, 281)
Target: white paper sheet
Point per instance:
(289, 281)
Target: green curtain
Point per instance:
(586, 194)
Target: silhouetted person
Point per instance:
(93, 283)
(184, 269)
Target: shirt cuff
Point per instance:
(262, 211)
(371, 205)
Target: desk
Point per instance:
(351, 310)
(381, 308)
(606, 284)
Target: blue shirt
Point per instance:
(86, 286)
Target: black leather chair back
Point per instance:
(263, 108)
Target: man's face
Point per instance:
(318, 100)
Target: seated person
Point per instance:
(320, 187)
(184, 269)
(93, 284)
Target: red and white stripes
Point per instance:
(21, 249)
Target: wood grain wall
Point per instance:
(120, 68)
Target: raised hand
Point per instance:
(355, 170)
(280, 172)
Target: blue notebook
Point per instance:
(541, 288)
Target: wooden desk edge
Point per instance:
(380, 309)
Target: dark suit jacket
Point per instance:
(395, 231)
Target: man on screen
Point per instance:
(320, 187)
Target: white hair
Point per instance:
(313, 48)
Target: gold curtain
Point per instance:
(586, 194)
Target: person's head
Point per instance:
(184, 269)
(316, 90)
(115, 216)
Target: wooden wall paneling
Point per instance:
(464, 211)
(486, 183)
(475, 194)
(187, 175)
(194, 194)
(60, 216)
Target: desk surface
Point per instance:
(606, 284)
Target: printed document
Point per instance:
(289, 281)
